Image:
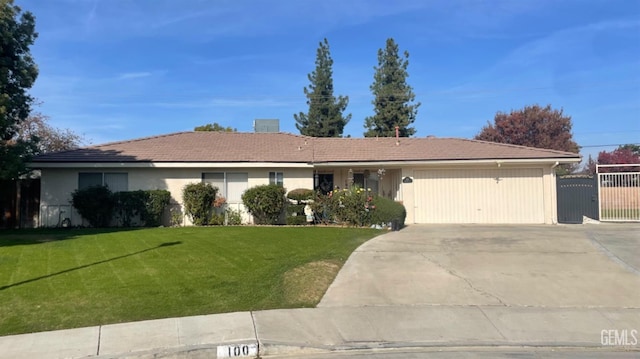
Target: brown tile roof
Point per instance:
(419, 149)
(284, 147)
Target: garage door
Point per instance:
(479, 196)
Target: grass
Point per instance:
(56, 279)
(621, 214)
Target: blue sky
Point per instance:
(122, 69)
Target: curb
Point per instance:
(288, 350)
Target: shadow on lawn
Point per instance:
(166, 244)
(19, 237)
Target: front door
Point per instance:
(325, 183)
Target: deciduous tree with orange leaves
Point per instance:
(533, 126)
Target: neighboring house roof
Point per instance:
(289, 148)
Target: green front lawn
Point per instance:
(73, 278)
(629, 214)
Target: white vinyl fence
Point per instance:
(619, 193)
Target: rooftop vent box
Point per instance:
(261, 126)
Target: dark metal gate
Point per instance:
(19, 203)
(577, 197)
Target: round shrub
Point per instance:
(300, 194)
(198, 200)
(387, 211)
(266, 203)
(155, 203)
(127, 205)
(95, 204)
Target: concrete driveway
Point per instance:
(541, 266)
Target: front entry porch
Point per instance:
(383, 182)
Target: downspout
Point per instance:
(554, 194)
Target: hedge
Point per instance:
(101, 207)
(198, 201)
(266, 203)
(387, 211)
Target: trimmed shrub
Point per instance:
(148, 205)
(266, 203)
(99, 206)
(176, 216)
(198, 201)
(156, 201)
(300, 194)
(297, 220)
(295, 207)
(127, 205)
(387, 211)
(95, 204)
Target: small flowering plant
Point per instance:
(219, 205)
(219, 201)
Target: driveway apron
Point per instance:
(509, 265)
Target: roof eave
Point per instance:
(301, 164)
(88, 165)
(496, 161)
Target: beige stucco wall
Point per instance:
(58, 184)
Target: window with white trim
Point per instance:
(231, 185)
(115, 181)
(276, 178)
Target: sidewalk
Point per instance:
(299, 331)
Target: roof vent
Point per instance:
(266, 126)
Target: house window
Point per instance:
(116, 182)
(276, 178)
(231, 185)
(366, 180)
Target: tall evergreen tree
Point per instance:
(393, 96)
(325, 118)
(17, 74)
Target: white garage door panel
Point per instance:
(479, 196)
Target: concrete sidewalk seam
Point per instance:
(255, 332)
(99, 338)
(492, 323)
(177, 323)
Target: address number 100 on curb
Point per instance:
(237, 351)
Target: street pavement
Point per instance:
(425, 291)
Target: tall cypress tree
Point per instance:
(325, 118)
(393, 96)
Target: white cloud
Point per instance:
(134, 75)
